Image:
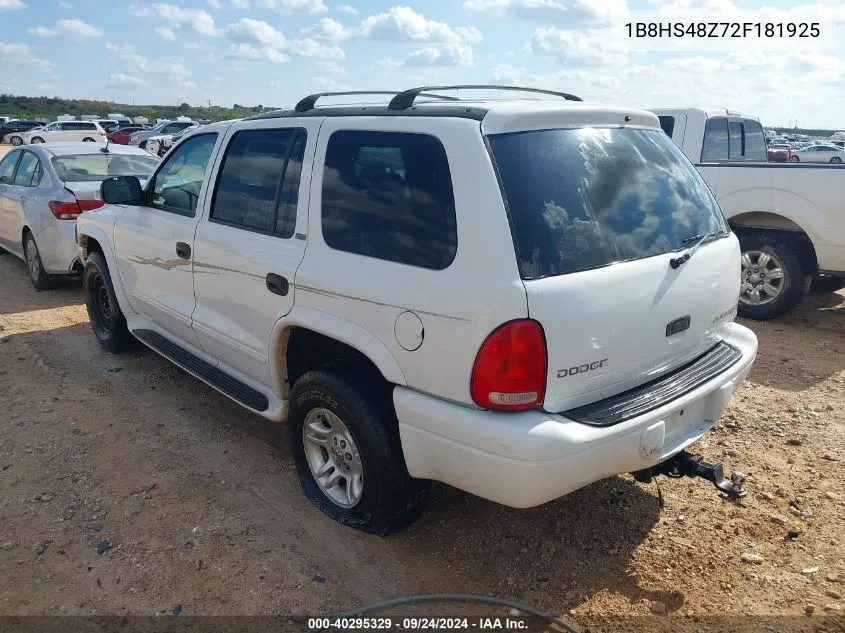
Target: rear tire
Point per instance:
(37, 275)
(827, 283)
(104, 312)
(386, 498)
(16, 141)
(37, 139)
(795, 159)
(836, 160)
(763, 253)
(88, 139)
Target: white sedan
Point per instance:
(818, 154)
(44, 188)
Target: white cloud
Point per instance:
(561, 80)
(294, 6)
(8, 5)
(122, 80)
(64, 4)
(177, 17)
(214, 4)
(24, 55)
(119, 48)
(241, 4)
(569, 12)
(139, 65)
(594, 45)
(166, 33)
(399, 24)
(348, 9)
(257, 40)
(71, 28)
(332, 67)
(446, 55)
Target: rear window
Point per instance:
(585, 198)
(91, 167)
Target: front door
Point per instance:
(9, 240)
(154, 242)
(251, 241)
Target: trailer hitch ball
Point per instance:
(688, 465)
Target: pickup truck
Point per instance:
(789, 218)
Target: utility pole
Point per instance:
(209, 103)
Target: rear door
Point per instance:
(251, 240)
(154, 243)
(597, 216)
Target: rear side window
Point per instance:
(667, 124)
(258, 185)
(755, 141)
(584, 198)
(388, 195)
(715, 140)
(26, 170)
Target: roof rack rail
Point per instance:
(405, 100)
(307, 103)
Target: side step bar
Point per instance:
(216, 377)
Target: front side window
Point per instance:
(176, 186)
(26, 170)
(388, 195)
(715, 140)
(7, 167)
(258, 186)
(584, 198)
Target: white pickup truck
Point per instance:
(789, 218)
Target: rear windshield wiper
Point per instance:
(675, 262)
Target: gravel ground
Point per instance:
(128, 487)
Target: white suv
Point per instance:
(66, 131)
(517, 298)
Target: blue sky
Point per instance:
(272, 52)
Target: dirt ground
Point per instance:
(199, 505)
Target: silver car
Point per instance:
(168, 127)
(44, 188)
(820, 153)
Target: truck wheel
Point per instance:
(773, 278)
(107, 320)
(827, 283)
(345, 442)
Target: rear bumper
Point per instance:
(525, 459)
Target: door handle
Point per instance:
(183, 250)
(277, 284)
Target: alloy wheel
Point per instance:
(763, 278)
(333, 457)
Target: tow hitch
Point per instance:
(689, 465)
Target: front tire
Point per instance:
(773, 278)
(37, 275)
(795, 159)
(104, 312)
(88, 139)
(16, 141)
(37, 139)
(345, 442)
(836, 160)
(827, 284)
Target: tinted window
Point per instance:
(584, 198)
(736, 141)
(389, 195)
(26, 169)
(667, 124)
(256, 188)
(715, 140)
(7, 167)
(177, 184)
(755, 141)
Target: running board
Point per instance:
(214, 376)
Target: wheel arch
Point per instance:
(343, 332)
(92, 238)
(768, 221)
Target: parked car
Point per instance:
(167, 127)
(121, 135)
(788, 217)
(44, 189)
(160, 144)
(11, 131)
(819, 153)
(325, 266)
(778, 153)
(65, 132)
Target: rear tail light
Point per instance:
(510, 369)
(72, 210)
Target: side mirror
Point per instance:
(122, 190)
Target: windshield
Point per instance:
(588, 197)
(92, 167)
